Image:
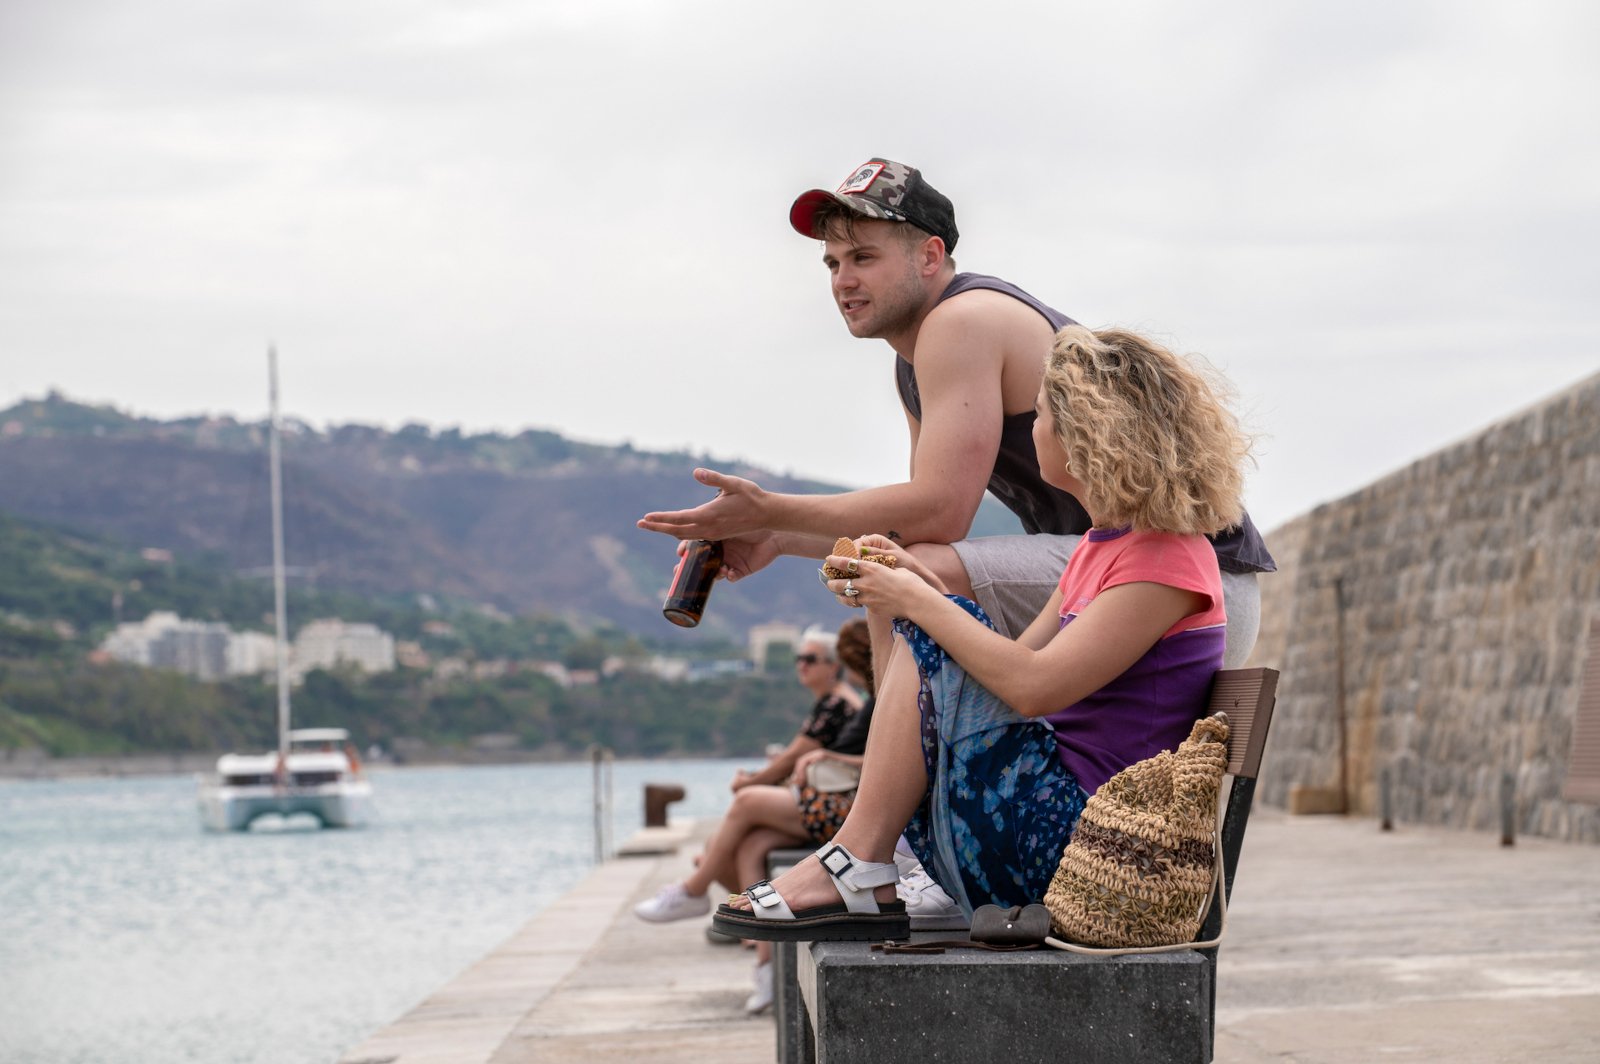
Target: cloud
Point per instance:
(1377, 218)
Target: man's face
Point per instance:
(876, 283)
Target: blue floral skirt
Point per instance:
(1000, 805)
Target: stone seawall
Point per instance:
(1470, 580)
(35, 764)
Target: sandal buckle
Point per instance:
(763, 895)
(837, 871)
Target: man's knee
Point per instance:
(1241, 600)
(943, 562)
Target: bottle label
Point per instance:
(678, 572)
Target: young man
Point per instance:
(970, 355)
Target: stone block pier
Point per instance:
(1346, 945)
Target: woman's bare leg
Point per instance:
(893, 782)
(752, 857)
(752, 808)
(752, 862)
(714, 871)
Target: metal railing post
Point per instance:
(601, 767)
(1508, 809)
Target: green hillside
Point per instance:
(487, 547)
(529, 524)
(59, 594)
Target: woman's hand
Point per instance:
(890, 592)
(903, 559)
(806, 760)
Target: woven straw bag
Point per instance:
(1144, 858)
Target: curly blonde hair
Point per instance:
(1146, 432)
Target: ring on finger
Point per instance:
(850, 589)
(852, 566)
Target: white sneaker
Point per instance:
(929, 907)
(760, 999)
(672, 902)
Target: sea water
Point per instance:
(128, 934)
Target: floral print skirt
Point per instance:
(823, 812)
(1000, 805)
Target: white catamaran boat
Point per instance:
(317, 774)
(315, 770)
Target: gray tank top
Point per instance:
(1015, 479)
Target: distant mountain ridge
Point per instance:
(533, 522)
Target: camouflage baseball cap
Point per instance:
(880, 188)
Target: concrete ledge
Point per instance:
(1316, 801)
(780, 861)
(971, 1006)
(653, 842)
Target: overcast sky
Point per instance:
(1379, 219)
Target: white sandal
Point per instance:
(857, 917)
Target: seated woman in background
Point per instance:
(765, 817)
(984, 750)
(816, 664)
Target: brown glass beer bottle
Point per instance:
(697, 569)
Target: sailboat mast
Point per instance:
(280, 607)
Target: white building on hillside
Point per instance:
(764, 636)
(251, 652)
(324, 644)
(668, 668)
(164, 640)
(212, 651)
(130, 641)
(195, 648)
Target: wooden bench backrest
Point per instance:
(1247, 697)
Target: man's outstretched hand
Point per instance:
(736, 511)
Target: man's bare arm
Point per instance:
(958, 374)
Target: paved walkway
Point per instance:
(588, 983)
(1345, 945)
(1349, 944)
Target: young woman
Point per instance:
(984, 750)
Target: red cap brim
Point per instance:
(803, 213)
